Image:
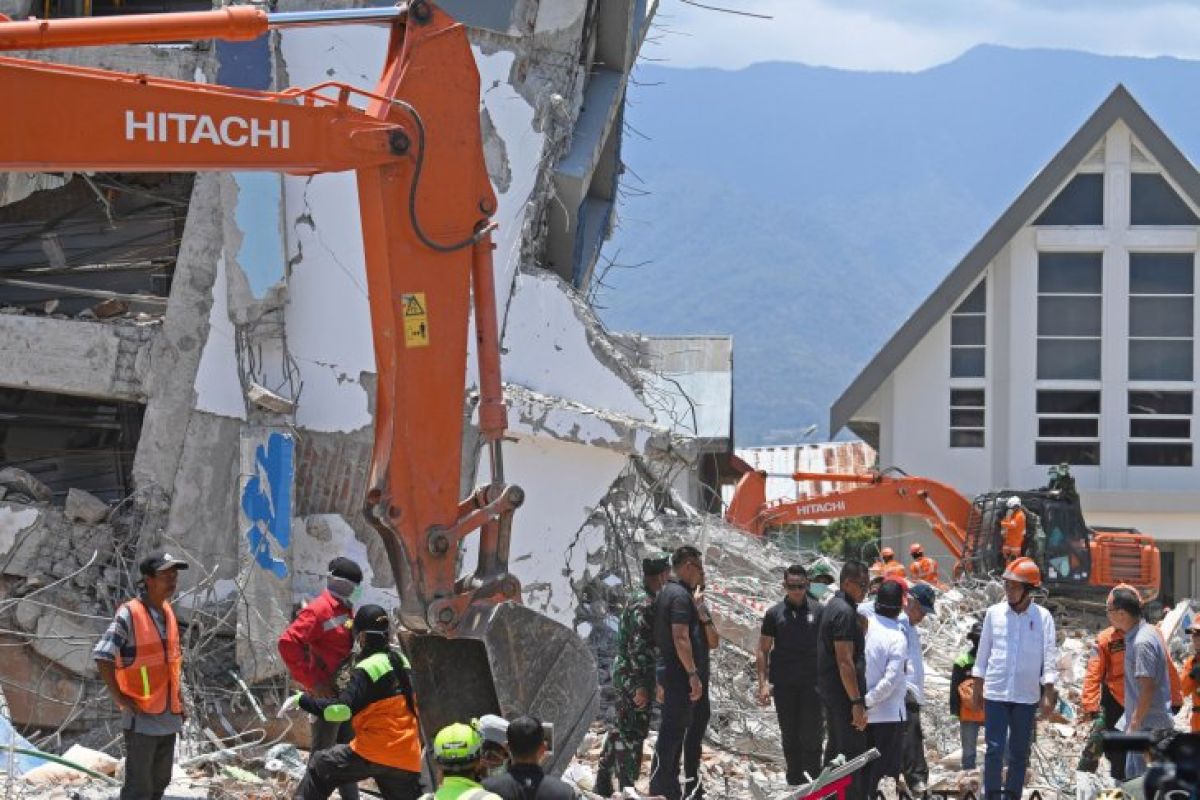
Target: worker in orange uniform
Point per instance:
(923, 568)
(1103, 699)
(140, 660)
(379, 704)
(1191, 675)
(887, 558)
(1014, 529)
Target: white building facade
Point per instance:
(1067, 334)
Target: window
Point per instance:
(1160, 429)
(1069, 316)
(968, 334)
(1161, 305)
(1068, 427)
(966, 417)
(1152, 201)
(1081, 202)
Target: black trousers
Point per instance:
(913, 765)
(680, 735)
(338, 765)
(888, 739)
(148, 761)
(693, 746)
(802, 730)
(326, 735)
(844, 738)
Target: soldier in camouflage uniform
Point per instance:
(633, 680)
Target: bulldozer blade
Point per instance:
(509, 660)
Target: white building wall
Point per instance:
(912, 404)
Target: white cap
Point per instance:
(493, 729)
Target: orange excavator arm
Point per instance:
(425, 200)
(874, 494)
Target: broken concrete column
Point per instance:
(265, 526)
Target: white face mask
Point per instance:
(818, 590)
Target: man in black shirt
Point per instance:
(788, 643)
(842, 669)
(684, 633)
(525, 778)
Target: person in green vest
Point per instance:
(458, 749)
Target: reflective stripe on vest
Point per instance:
(151, 679)
(333, 623)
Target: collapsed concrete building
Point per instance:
(195, 353)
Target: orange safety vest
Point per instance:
(151, 679)
(968, 711)
(386, 731)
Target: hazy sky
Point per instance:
(914, 34)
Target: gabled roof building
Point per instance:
(1067, 334)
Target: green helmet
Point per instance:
(457, 744)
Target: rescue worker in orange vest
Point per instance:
(140, 661)
(379, 703)
(887, 557)
(1191, 675)
(923, 568)
(1014, 529)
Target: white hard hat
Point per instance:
(1014, 501)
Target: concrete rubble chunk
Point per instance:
(85, 507)
(112, 307)
(19, 484)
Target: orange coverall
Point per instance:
(1191, 687)
(1106, 666)
(925, 569)
(1014, 533)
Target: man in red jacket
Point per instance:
(316, 644)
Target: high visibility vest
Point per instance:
(386, 731)
(151, 679)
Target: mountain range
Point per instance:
(808, 211)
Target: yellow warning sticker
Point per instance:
(416, 320)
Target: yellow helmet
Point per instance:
(457, 744)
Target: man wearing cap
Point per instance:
(787, 669)
(378, 701)
(316, 644)
(918, 605)
(493, 730)
(633, 681)
(140, 661)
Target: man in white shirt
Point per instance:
(1016, 667)
(887, 657)
(920, 604)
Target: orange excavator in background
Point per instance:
(426, 201)
(1076, 560)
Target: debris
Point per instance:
(84, 507)
(75, 766)
(112, 307)
(270, 401)
(22, 486)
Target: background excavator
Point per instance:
(1076, 560)
(425, 199)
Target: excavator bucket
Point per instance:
(509, 660)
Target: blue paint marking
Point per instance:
(267, 502)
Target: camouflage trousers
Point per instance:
(623, 747)
(1093, 748)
